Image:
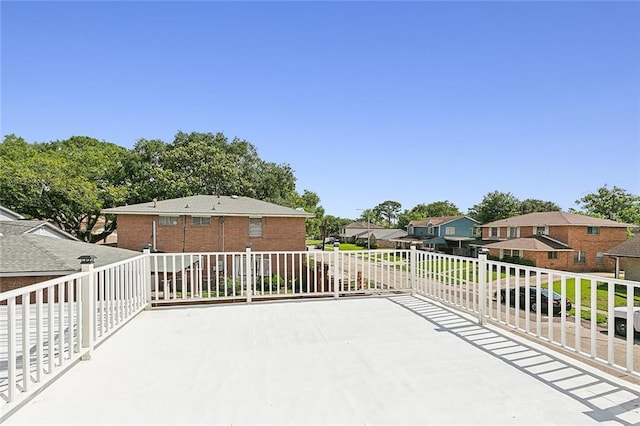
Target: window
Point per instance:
(599, 258)
(540, 230)
(168, 220)
(255, 227)
(579, 257)
(510, 253)
(593, 230)
(410, 230)
(450, 230)
(430, 230)
(552, 255)
(493, 232)
(513, 232)
(201, 220)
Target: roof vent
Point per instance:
(155, 201)
(187, 206)
(235, 197)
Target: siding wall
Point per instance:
(631, 269)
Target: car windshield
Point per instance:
(545, 293)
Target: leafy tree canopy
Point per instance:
(495, 206)
(611, 203)
(387, 211)
(207, 163)
(421, 211)
(531, 205)
(67, 182)
(70, 181)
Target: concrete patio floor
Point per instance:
(395, 360)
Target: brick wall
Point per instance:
(229, 233)
(11, 283)
(578, 240)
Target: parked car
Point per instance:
(544, 299)
(620, 324)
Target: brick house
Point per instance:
(556, 240)
(210, 223)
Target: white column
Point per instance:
(482, 285)
(147, 276)
(248, 275)
(88, 305)
(413, 265)
(336, 271)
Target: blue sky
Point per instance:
(414, 102)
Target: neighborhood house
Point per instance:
(32, 251)
(210, 223)
(556, 240)
(447, 234)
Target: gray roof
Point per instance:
(362, 225)
(383, 234)
(8, 214)
(40, 227)
(556, 219)
(24, 255)
(629, 248)
(532, 243)
(210, 205)
(438, 220)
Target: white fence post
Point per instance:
(248, 274)
(482, 285)
(147, 276)
(88, 305)
(336, 271)
(413, 265)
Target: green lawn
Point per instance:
(602, 292)
(329, 247)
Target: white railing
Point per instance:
(199, 277)
(496, 291)
(45, 328)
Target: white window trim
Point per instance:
(544, 232)
(167, 218)
(516, 234)
(200, 217)
(252, 232)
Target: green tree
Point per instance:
(310, 201)
(207, 163)
(145, 172)
(421, 211)
(495, 206)
(388, 211)
(611, 203)
(371, 216)
(531, 205)
(67, 182)
(70, 181)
